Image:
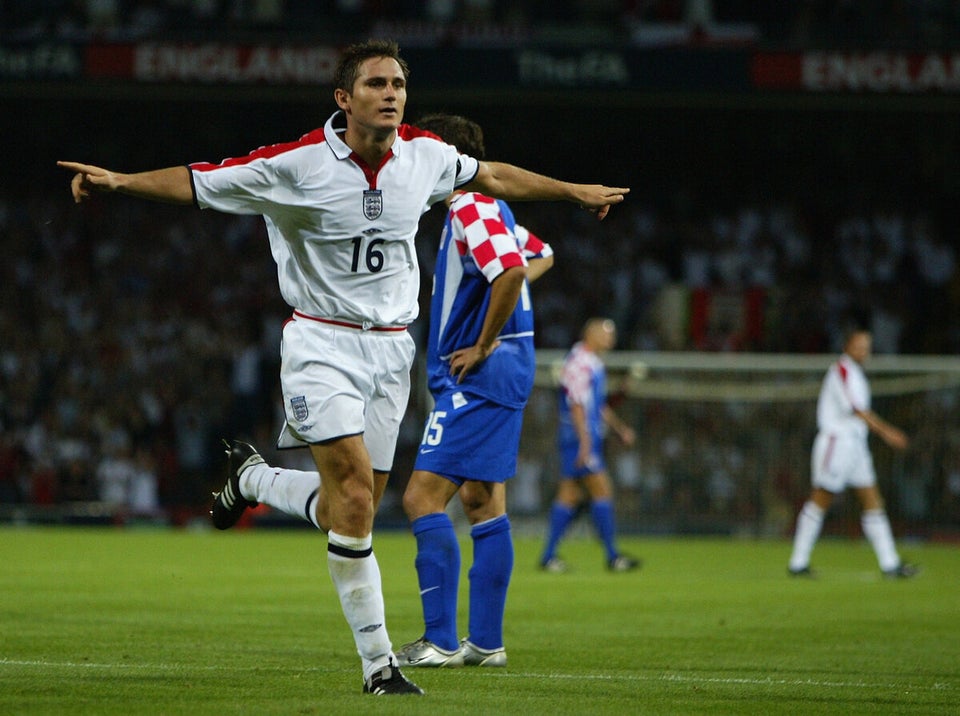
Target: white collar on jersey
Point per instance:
(333, 133)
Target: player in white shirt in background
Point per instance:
(841, 459)
(341, 207)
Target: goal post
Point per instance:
(723, 441)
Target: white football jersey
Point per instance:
(341, 232)
(845, 389)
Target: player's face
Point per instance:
(378, 98)
(859, 347)
(604, 336)
(609, 334)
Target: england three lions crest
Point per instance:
(372, 203)
(299, 406)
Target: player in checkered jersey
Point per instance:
(584, 417)
(480, 370)
(341, 207)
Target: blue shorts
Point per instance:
(467, 437)
(569, 470)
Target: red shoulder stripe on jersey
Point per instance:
(271, 150)
(843, 371)
(408, 131)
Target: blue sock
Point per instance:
(560, 518)
(438, 572)
(489, 579)
(602, 512)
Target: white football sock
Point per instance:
(291, 491)
(876, 527)
(809, 522)
(356, 576)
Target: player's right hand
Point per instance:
(584, 456)
(463, 360)
(88, 178)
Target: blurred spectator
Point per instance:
(11, 469)
(115, 475)
(143, 497)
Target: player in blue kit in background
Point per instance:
(480, 366)
(584, 417)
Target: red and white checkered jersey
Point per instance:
(845, 389)
(579, 377)
(532, 245)
(480, 241)
(341, 232)
(479, 229)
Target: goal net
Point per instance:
(723, 442)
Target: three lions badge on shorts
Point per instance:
(299, 406)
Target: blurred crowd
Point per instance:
(760, 277)
(138, 335)
(133, 341)
(868, 23)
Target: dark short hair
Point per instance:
(464, 134)
(852, 331)
(348, 69)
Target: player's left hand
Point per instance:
(896, 438)
(463, 360)
(598, 199)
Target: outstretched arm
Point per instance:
(170, 185)
(509, 182)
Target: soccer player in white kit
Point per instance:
(841, 459)
(341, 206)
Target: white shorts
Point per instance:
(839, 462)
(339, 381)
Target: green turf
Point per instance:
(133, 621)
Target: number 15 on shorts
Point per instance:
(433, 432)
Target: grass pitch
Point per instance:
(127, 621)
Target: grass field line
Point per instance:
(679, 678)
(739, 680)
